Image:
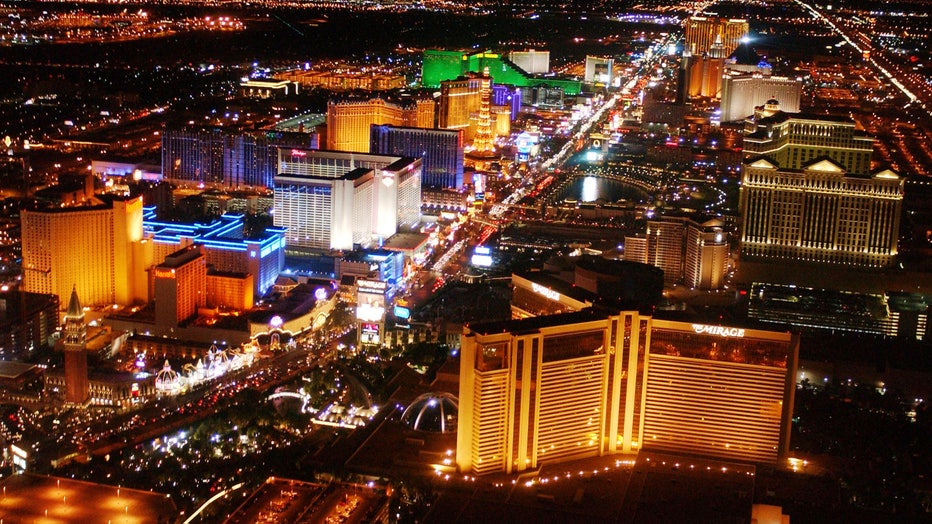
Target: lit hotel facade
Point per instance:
(591, 383)
(792, 140)
(440, 150)
(219, 157)
(819, 214)
(108, 250)
(695, 254)
(228, 252)
(333, 200)
(742, 93)
(94, 248)
(348, 121)
(702, 32)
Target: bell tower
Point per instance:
(74, 332)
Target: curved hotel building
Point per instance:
(590, 383)
(596, 382)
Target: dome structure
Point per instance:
(432, 412)
(167, 379)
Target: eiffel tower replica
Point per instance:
(483, 151)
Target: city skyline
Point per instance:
(440, 262)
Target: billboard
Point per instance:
(370, 334)
(402, 312)
(524, 144)
(370, 300)
(481, 257)
(20, 458)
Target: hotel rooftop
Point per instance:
(35, 498)
(224, 233)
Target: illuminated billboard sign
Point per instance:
(402, 312)
(524, 144)
(370, 312)
(369, 334)
(18, 451)
(370, 300)
(20, 457)
(482, 256)
(721, 331)
(479, 183)
(371, 286)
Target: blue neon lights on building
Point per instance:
(226, 247)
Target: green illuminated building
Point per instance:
(438, 66)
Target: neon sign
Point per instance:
(721, 331)
(402, 312)
(164, 273)
(371, 286)
(545, 291)
(388, 178)
(298, 152)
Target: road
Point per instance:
(104, 433)
(912, 85)
(498, 214)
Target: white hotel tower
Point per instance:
(333, 200)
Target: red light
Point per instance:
(743, 292)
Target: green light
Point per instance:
(438, 66)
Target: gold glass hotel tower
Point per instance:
(702, 33)
(575, 385)
(92, 247)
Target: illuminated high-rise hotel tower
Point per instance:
(440, 149)
(688, 252)
(793, 139)
(742, 93)
(702, 32)
(460, 99)
(349, 119)
(549, 389)
(819, 214)
(92, 246)
(705, 71)
(333, 200)
(807, 194)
